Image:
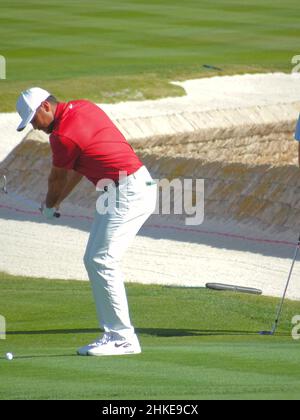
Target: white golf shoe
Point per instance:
(111, 345)
(83, 351)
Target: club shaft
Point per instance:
(20, 199)
(286, 288)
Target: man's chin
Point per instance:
(49, 129)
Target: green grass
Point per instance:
(115, 50)
(198, 344)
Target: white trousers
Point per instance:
(114, 228)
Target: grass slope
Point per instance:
(198, 344)
(130, 49)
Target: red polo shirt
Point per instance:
(86, 140)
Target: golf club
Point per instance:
(233, 288)
(26, 201)
(210, 67)
(272, 332)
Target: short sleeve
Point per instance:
(65, 152)
(297, 134)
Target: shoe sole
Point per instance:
(114, 354)
(82, 354)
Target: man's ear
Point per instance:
(46, 106)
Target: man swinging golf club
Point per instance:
(85, 142)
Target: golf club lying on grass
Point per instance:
(210, 67)
(272, 332)
(233, 288)
(26, 201)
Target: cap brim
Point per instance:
(24, 123)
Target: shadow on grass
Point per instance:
(39, 356)
(156, 332)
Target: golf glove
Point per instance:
(48, 213)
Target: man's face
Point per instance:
(44, 118)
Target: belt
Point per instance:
(116, 183)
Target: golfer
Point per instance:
(86, 143)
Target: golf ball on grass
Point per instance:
(9, 356)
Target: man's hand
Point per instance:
(49, 213)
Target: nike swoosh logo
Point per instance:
(125, 345)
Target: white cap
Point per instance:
(27, 104)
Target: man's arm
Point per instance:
(73, 179)
(61, 183)
(56, 184)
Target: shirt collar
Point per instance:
(61, 106)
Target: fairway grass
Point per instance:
(131, 49)
(197, 344)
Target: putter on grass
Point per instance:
(233, 288)
(26, 201)
(272, 332)
(210, 67)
